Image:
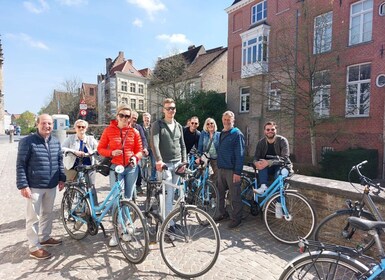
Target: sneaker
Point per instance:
(40, 254)
(278, 211)
(221, 217)
(261, 189)
(234, 223)
(51, 242)
(113, 242)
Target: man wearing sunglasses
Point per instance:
(273, 145)
(191, 134)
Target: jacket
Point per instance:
(112, 139)
(72, 143)
(204, 141)
(167, 145)
(281, 148)
(231, 150)
(39, 164)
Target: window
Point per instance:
(361, 20)
(124, 86)
(321, 98)
(323, 33)
(92, 91)
(358, 90)
(254, 51)
(381, 9)
(191, 87)
(274, 98)
(141, 105)
(244, 100)
(124, 100)
(132, 87)
(259, 12)
(133, 104)
(141, 88)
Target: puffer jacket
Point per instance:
(39, 165)
(112, 139)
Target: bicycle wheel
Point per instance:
(131, 232)
(189, 232)
(335, 229)
(325, 265)
(299, 222)
(206, 198)
(75, 211)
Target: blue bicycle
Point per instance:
(80, 215)
(287, 214)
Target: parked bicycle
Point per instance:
(80, 215)
(336, 228)
(186, 231)
(287, 214)
(334, 262)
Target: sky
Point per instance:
(48, 42)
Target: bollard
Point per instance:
(11, 136)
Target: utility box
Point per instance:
(61, 122)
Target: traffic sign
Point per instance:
(82, 106)
(83, 112)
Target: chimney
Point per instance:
(108, 64)
(130, 61)
(191, 47)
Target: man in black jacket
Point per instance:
(39, 170)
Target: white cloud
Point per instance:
(150, 6)
(28, 40)
(73, 2)
(37, 8)
(174, 38)
(137, 22)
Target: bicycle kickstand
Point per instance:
(104, 231)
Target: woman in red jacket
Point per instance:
(123, 144)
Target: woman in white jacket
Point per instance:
(80, 143)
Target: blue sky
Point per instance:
(48, 42)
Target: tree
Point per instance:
(26, 121)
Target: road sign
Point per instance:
(83, 112)
(82, 106)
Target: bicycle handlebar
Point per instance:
(85, 154)
(363, 179)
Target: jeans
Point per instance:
(130, 174)
(263, 174)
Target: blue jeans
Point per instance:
(263, 174)
(130, 174)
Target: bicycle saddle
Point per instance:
(181, 169)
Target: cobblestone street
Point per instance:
(248, 252)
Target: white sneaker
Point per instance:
(113, 242)
(278, 211)
(261, 189)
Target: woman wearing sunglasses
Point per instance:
(80, 143)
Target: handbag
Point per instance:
(105, 166)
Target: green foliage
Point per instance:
(26, 121)
(202, 104)
(336, 165)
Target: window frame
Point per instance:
(254, 12)
(124, 86)
(244, 100)
(133, 103)
(360, 15)
(133, 87)
(321, 94)
(323, 33)
(274, 102)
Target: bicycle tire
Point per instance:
(325, 265)
(131, 232)
(208, 204)
(328, 230)
(301, 222)
(195, 234)
(75, 210)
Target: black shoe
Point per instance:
(234, 223)
(221, 217)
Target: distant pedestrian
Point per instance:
(147, 132)
(39, 170)
(230, 165)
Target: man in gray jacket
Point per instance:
(39, 170)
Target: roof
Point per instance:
(125, 67)
(205, 60)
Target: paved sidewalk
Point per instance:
(248, 252)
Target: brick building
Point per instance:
(314, 67)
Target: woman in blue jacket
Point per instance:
(208, 143)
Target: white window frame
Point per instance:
(323, 25)
(124, 86)
(255, 44)
(358, 91)
(381, 9)
(141, 88)
(125, 100)
(361, 22)
(133, 103)
(133, 87)
(244, 100)
(321, 89)
(141, 105)
(274, 99)
(259, 12)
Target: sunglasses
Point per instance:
(81, 126)
(210, 123)
(194, 123)
(124, 116)
(169, 108)
(270, 129)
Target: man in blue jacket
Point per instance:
(230, 164)
(39, 170)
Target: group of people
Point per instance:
(40, 165)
